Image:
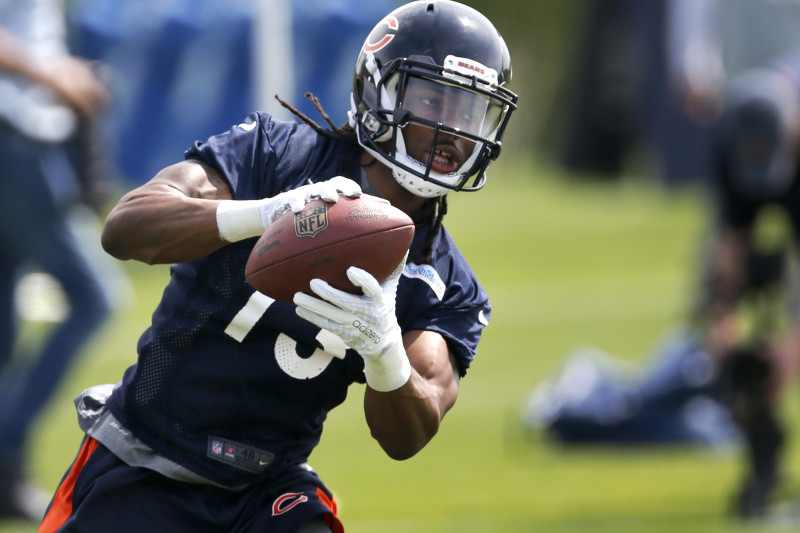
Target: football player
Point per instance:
(756, 153)
(211, 429)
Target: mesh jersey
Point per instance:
(222, 363)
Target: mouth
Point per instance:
(444, 160)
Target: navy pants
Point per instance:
(102, 493)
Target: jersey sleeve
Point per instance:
(446, 297)
(260, 157)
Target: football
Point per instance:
(323, 240)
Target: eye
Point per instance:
(431, 102)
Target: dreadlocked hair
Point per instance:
(435, 208)
(341, 133)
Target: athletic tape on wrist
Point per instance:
(388, 372)
(239, 219)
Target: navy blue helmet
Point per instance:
(439, 69)
(759, 136)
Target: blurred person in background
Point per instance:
(750, 291)
(649, 76)
(45, 94)
(620, 112)
(709, 41)
(733, 72)
(704, 44)
(708, 89)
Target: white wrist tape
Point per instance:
(389, 371)
(239, 219)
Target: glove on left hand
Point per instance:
(366, 323)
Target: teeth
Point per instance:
(442, 157)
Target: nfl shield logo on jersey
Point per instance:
(311, 220)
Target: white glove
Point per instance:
(366, 323)
(240, 219)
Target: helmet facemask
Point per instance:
(457, 110)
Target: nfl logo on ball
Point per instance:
(310, 221)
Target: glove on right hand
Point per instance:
(296, 199)
(241, 219)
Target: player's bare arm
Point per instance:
(171, 218)
(404, 420)
(411, 381)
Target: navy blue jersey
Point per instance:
(234, 385)
(739, 211)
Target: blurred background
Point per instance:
(590, 406)
(181, 71)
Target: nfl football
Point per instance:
(323, 240)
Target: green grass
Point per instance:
(566, 263)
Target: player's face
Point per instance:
(449, 106)
(448, 154)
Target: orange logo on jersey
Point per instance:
(382, 36)
(286, 502)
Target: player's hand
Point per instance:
(77, 85)
(366, 323)
(296, 199)
(240, 219)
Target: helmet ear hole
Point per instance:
(367, 94)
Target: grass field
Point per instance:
(566, 263)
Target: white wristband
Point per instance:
(389, 371)
(239, 219)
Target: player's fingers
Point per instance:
(314, 318)
(271, 209)
(391, 282)
(343, 331)
(296, 202)
(364, 280)
(327, 191)
(343, 300)
(399, 268)
(347, 186)
(321, 307)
